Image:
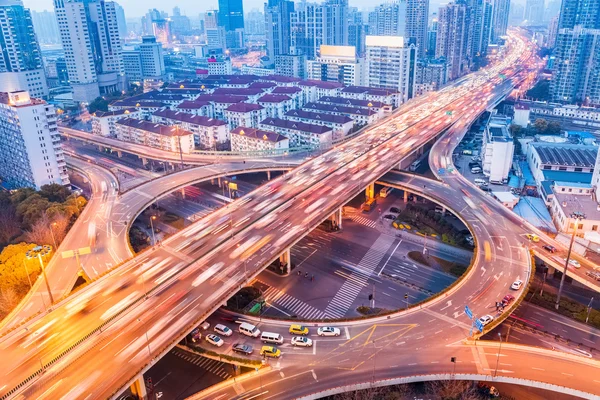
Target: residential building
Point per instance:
(431, 75)
(341, 124)
(209, 133)
(293, 92)
(497, 149)
(103, 122)
(220, 103)
(291, 65)
(579, 12)
(204, 108)
(244, 114)
(278, 31)
(254, 23)
(219, 65)
(534, 12)
(500, 20)
(479, 27)
(276, 105)
(21, 67)
(357, 31)
(132, 62)
(315, 24)
(45, 26)
(432, 36)
(245, 139)
(147, 133)
(252, 94)
(360, 116)
(146, 107)
(385, 96)
(90, 37)
(417, 17)
(336, 64)
(388, 19)
(313, 90)
(391, 63)
(453, 38)
(552, 32)
(299, 133)
(382, 109)
(30, 144)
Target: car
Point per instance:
(214, 340)
(328, 331)
(533, 237)
(389, 216)
(594, 275)
(298, 329)
(549, 248)
(516, 284)
(270, 351)
(509, 298)
(223, 330)
(301, 341)
(574, 263)
(205, 325)
(395, 210)
(486, 319)
(242, 348)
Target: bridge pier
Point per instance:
(100, 148)
(268, 175)
(144, 161)
(370, 191)
(183, 193)
(119, 153)
(336, 220)
(138, 388)
(219, 182)
(285, 259)
(405, 196)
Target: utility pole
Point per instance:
(589, 309)
(577, 216)
(498, 357)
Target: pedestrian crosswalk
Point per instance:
(346, 295)
(359, 219)
(299, 308)
(213, 366)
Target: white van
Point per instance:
(268, 337)
(480, 182)
(248, 329)
(385, 191)
(475, 170)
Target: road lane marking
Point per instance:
(574, 327)
(347, 333)
(314, 375)
(282, 374)
(539, 369)
(314, 347)
(386, 261)
(564, 373)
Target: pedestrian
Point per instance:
(306, 275)
(299, 272)
(312, 278)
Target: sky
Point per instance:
(137, 8)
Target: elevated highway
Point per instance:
(97, 340)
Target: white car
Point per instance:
(486, 319)
(574, 263)
(301, 341)
(328, 331)
(516, 284)
(223, 330)
(214, 340)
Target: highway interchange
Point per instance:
(168, 290)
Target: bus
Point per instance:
(385, 191)
(415, 165)
(369, 205)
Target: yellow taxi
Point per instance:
(298, 330)
(270, 351)
(533, 237)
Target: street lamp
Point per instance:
(37, 252)
(52, 234)
(152, 218)
(498, 357)
(577, 216)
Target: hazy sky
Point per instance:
(137, 8)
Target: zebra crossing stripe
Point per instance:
(300, 308)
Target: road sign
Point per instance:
(441, 170)
(233, 186)
(448, 112)
(479, 325)
(468, 312)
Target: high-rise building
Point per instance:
(552, 9)
(576, 67)
(21, 66)
(391, 63)
(417, 17)
(121, 20)
(480, 27)
(552, 32)
(30, 145)
(336, 64)
(231, 14)
(277, 24)
(89, 33)
(432, 36)
(255, 22)
(46, 28)
(453, 38)
(313, 25)
(516, 14)
(180, 24)
(534, 12)
(357, 31)
(215, 34)
(388, 19)
(501, 13)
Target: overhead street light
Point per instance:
(577, 216)
(38, 251)
(152, 218)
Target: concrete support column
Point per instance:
(144, 161)
(219, 182)
(336, 220)
(268, 175)
(138, 388)
(286, 260)
(406, 196)
(100, 147)
(119, 153)
(415, 198)
(370, 191)
(183, 193)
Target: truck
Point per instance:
(369, 205)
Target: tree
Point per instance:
(540, 125)
(452, 390)
(13, 273)
(98, 104)
(515, 130)
(31, 209)
(553, 128)
(55, 192)
(9, 223)
(541, 91)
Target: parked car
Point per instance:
(223, 330)
(301, 341)
(509, 298)
(516, 284)
(549, 248)
(395, 210)
(389, 216)
(594, 275)
(328, 331)
(214, 340)
(243, 348)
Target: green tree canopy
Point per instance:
(98, 104)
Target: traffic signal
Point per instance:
(406, 296)
(370, 297)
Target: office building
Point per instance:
(30, 144)
(277, 25)
(180, 23)
(144, 60)
(255, 23)
(357, 31)
(21, 66)
(56, 71)
(388, 19)
(231, 14)
(432, 36)
(121, 20)
(534, 12)
(417, 17)
(336, 64)
(315, 24)
(215, 34)
(500, 18)
(90, 37)
(453, 38)
(45, 26)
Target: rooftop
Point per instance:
(259, 134)
(238, 91)
(192, 104)
(572, 203)
(315, 116)
(273, 98)
(138, 103)
(286, 90)
(280, 78)
(340, 108)
(296, 125)
(567, 176)
(352, 102)
(191, 118)
(225, 98)
(244, 107)
(321, 84)
(101, 114)
(566, 154)
(263, 85)
(368, 90)
(534, 211)
(160, 129)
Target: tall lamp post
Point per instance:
(38, 251)
(498, 357)
(577, 216)
(52, 234)
(152, 218)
